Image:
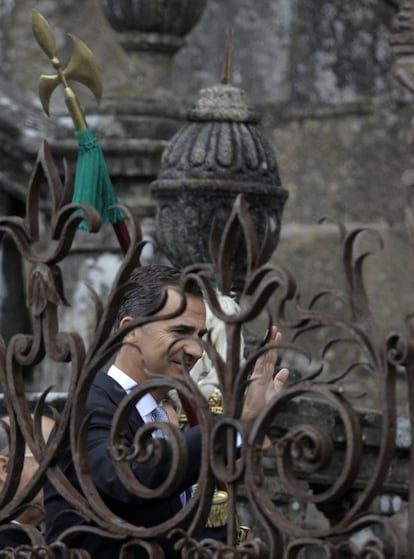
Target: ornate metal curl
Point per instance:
(45, 295)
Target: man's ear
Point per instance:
(4, 461)
(124, 322)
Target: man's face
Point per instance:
(154, 340)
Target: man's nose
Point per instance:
(193, 349)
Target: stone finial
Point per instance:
(219, 153)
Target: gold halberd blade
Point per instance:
(82, 68)
(47, 85)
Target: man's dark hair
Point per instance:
(146, 289)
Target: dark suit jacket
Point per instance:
(13, 537)
(104, 398)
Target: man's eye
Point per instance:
(180, 332)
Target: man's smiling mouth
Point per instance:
(184, 365)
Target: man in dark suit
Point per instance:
(167, 347)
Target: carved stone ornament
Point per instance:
(153, 24)
(219, 154)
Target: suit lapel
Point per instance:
(116, 394)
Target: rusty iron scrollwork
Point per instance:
(301, 451)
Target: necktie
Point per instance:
(159, 414)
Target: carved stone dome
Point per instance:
(218, 154)
(222, 141)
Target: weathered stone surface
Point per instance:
(262, 38)
(345, 167)
(217, 155)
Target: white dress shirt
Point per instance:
(146, 404)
